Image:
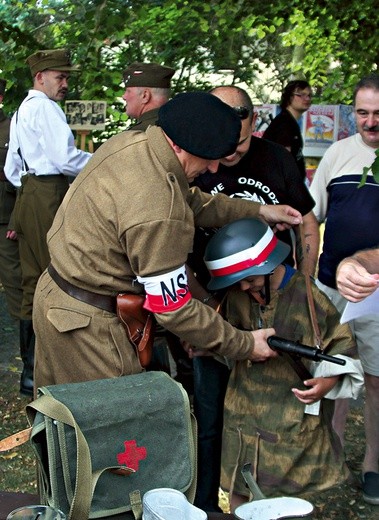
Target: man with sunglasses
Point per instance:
(284, 129)
(258, 171)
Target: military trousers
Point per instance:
(37, 202)
(76, 341)
(10, 272)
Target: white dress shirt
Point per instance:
(39, 128)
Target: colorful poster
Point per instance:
(265, 114)
(319, 125)
(346, 122)
(86, 115)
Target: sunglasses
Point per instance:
(242, 112)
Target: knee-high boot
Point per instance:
(27, 342)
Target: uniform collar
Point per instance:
(166, 155)
(150, 114)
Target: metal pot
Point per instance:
(169, 504)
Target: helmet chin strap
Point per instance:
(267, 289)
(264, 299)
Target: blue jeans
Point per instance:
(210, 382)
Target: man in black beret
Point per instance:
(147, 88)
(137, 218)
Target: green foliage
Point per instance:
(319, 40)
(374, 168)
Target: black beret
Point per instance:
(201, 124)
(2, 86)
(148, 75)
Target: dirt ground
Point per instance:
(17, 470)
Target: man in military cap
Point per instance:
(42, 154)
(10, 272)
(137, 217)
(147, 88)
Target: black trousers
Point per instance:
(210, 382)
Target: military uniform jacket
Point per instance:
(7, 191)
(131, 214)
(147, 119)
(264, 423)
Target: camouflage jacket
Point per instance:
(264, 424)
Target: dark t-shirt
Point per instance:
(267, 174)
(285, 130)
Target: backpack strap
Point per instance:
(17, 439)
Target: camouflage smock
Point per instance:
(292, 453)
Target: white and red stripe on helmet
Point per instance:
(251, 257)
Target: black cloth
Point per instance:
(285, 130)
(266, 174)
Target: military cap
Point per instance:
(148, 75)
(201, 124)
(55, 59)
(2, 86)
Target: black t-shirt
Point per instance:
(267, 174)
(285, 130)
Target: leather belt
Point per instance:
(55, 177)
(101, 301)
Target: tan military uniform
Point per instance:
(130, 212)
(292, 452)
(10, 272)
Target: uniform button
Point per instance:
(172, 178)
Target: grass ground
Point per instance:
(17, 467)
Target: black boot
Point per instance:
(27, 342)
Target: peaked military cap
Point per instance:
(201, 124)
(2, 86)
(55, 59)
(148, 75)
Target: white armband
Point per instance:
(166, 292)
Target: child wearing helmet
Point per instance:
(272, 419)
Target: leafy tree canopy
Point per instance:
(331, 43)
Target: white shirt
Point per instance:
(343, 159)
(39, 128)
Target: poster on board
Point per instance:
(265, 114)
(320, 125)
(86, 114)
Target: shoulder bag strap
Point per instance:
(85, 480)
(311, 303)
(81, 502)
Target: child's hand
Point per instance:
(319, 387)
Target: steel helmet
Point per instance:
(240, 249)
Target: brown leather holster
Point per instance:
(138, 323)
